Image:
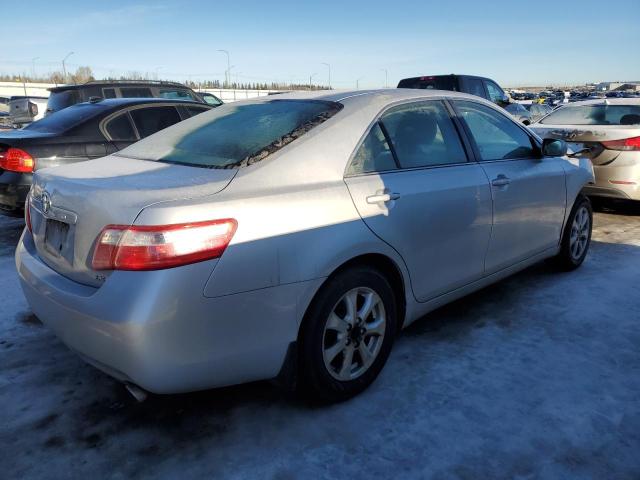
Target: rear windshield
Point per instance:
(595, 115)
(445, 82)
(59, 100)
(233, 135)
(65, 119)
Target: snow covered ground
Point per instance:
(535, 377)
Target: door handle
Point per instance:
(501, 181)
(383, 197)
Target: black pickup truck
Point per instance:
(480, 86)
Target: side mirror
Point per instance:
(554, 148)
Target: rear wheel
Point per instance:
(347, 334)
(577, 235)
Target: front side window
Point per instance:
(595, 115)
(150, 120)
(495, 93)
(135, 92)
(374, 154)
(496, 136)
(120, 128)
(175, 94)
(423, 135)
(233, 135)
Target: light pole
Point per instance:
(64, 68)
(33, 66)
(227, 74)
(386, 77)
(311, 78)
(329, 67)
(358, 83)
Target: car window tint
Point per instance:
(374, 154)
(495, 94)
(192, 111)
(474, 87)
(135, 92)
(175, 94)
(496, 136)
(595, 115)
(109, 92)
(149, 120)
(423, 135)
(120, 128)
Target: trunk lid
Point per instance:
(590, 137)
(72, 204)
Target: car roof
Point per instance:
(119, 102)
(607, 101)
(119, 83)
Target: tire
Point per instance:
(578, 229)
(329, 332)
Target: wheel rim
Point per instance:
(353, 334)
(579, 233)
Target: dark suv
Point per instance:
(63, 97)
(480, 86)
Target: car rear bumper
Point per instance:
(609, 178)
(14, 188)
(136, 330)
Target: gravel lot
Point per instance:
(535, 377)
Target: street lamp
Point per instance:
(64, 68)
(386, 77)
(311, 78)
(358, 83)
(329, 67)
(33, 66)
(227, 74)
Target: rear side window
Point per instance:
(374, 154)
(497, 137)
(152, 119)
(445, 82)
(595, 115)
(474, 87)
(120, 128)
(135, 92)
(423, 135)
(235, 135)
(109, 93)
(192, 111)
(175, 94)
(59, 100)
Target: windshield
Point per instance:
(58, 122)
(59, 100)
(595, 115)
(233, 135)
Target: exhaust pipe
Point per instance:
(136, 392)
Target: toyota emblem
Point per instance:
(46, 203)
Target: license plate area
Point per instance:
(57, 239)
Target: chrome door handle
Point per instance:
(383, 197)
(501, 181)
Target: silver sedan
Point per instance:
(606, 131)
(293, 237)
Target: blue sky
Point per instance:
(514, 42)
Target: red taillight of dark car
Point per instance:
(16, 160)
(624, 144)
(154, 247)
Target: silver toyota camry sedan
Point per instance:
(292, 238)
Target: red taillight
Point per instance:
(154, 247)
(16, 160)
(27, 213)
(632, 143)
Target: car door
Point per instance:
(413, 185)
(529, 192)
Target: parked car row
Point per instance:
(288, 237)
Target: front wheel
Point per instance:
(576, 238)
(347, 334)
